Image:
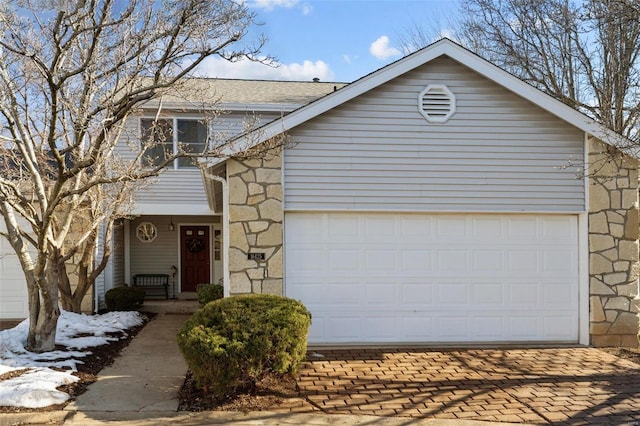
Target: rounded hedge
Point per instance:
(209, 292)
(124, 298)
(232, 343)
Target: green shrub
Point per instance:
(209, 292)
(124, 298)
(232, 343)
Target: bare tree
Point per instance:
(69, 78)
(584, 53)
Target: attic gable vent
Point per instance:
(436, 103)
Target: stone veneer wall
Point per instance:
(255, 225)
(613, 247)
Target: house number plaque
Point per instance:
(255, 256)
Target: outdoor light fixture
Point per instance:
(171, 226)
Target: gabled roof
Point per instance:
(443, 47)
(230, 94)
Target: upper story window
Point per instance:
(170, 133)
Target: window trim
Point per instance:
(174, 129)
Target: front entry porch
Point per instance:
(185, 248)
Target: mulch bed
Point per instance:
(267, 394)
(101, 356)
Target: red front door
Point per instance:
(195, 257)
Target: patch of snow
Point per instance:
(37, 387)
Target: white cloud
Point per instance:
(346, 58)
(272, 4)
(381, 49)
(306, 71)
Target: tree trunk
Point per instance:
(43, 308)
(42, 337)
(71, 300)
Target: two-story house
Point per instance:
(437, 200)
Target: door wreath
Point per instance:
(195, 245)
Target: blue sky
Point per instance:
(334, 40)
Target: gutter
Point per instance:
(225, 229)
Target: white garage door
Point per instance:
(434, 278)
(13, 290)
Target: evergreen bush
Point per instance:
(124, 298)
(232, 343)
(209, 292)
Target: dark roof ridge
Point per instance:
(265, 80)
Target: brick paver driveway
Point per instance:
(539, 386)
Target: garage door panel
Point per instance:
(452, 228)
(487, 228)
(522, 293)
(464, 278)
(558, 293)
(416, 295)
(380, 261)
(523, 327)
(559, 326)
(558, 228)
(380, 294)
(489, 327)
(381, 327)
(344, 260)
(379, 229)
(416, 328)
(558, 261)
(416, 259)
(522, 260)
(308, 259)
(342, 228)
(484, 294)
(345, 328)
(452, 293)
(416, 228)
(524, 228)
(452, 328)
(317, 328)
(488, 260)
(452, 260)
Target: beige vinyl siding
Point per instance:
(498, 152)
(99, 285)
(174, 187)
(118, 256)
(157, 256)
(182, 186)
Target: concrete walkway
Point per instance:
(145, 377)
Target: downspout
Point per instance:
(96, 299)
(225, 230)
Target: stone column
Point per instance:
(613, 247)
(255, 225)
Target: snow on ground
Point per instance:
(78, 332)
